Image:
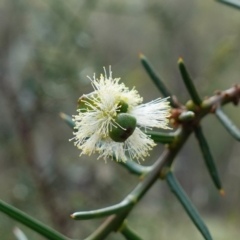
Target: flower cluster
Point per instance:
(111, 120)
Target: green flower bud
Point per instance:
(191, 106)
(128, 124)
(123, 107)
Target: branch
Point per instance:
(162, 165)
(128, 233)
(135, 168)
(230, 95)
(114, 222)
(125, 204)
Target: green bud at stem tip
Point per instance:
(126, 125)
(123, 107)
(186, 116)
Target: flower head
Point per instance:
(110, 120)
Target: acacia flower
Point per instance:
(111, 120)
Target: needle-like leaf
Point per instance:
(187, 205)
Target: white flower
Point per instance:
(113, 107)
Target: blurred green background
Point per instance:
(47, 47)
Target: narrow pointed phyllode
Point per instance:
(189, 82)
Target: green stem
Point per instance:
(111, 224)
(161, 166)
(149, 179)
(114, 222)
(134, 168)
(189, 83)
(187, 205)
(125, 204)
(31, 222)
(128, 233)
(208, 157)
(161, 137)
(228, 124)
(156, 79)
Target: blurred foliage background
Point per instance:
(47, 47)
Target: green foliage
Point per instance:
(161, 168)
(56, 66)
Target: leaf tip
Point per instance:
(62, 115)
(222, 192)
(180, 60)
(140, 55)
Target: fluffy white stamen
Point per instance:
(102, 106)
(153, 114)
